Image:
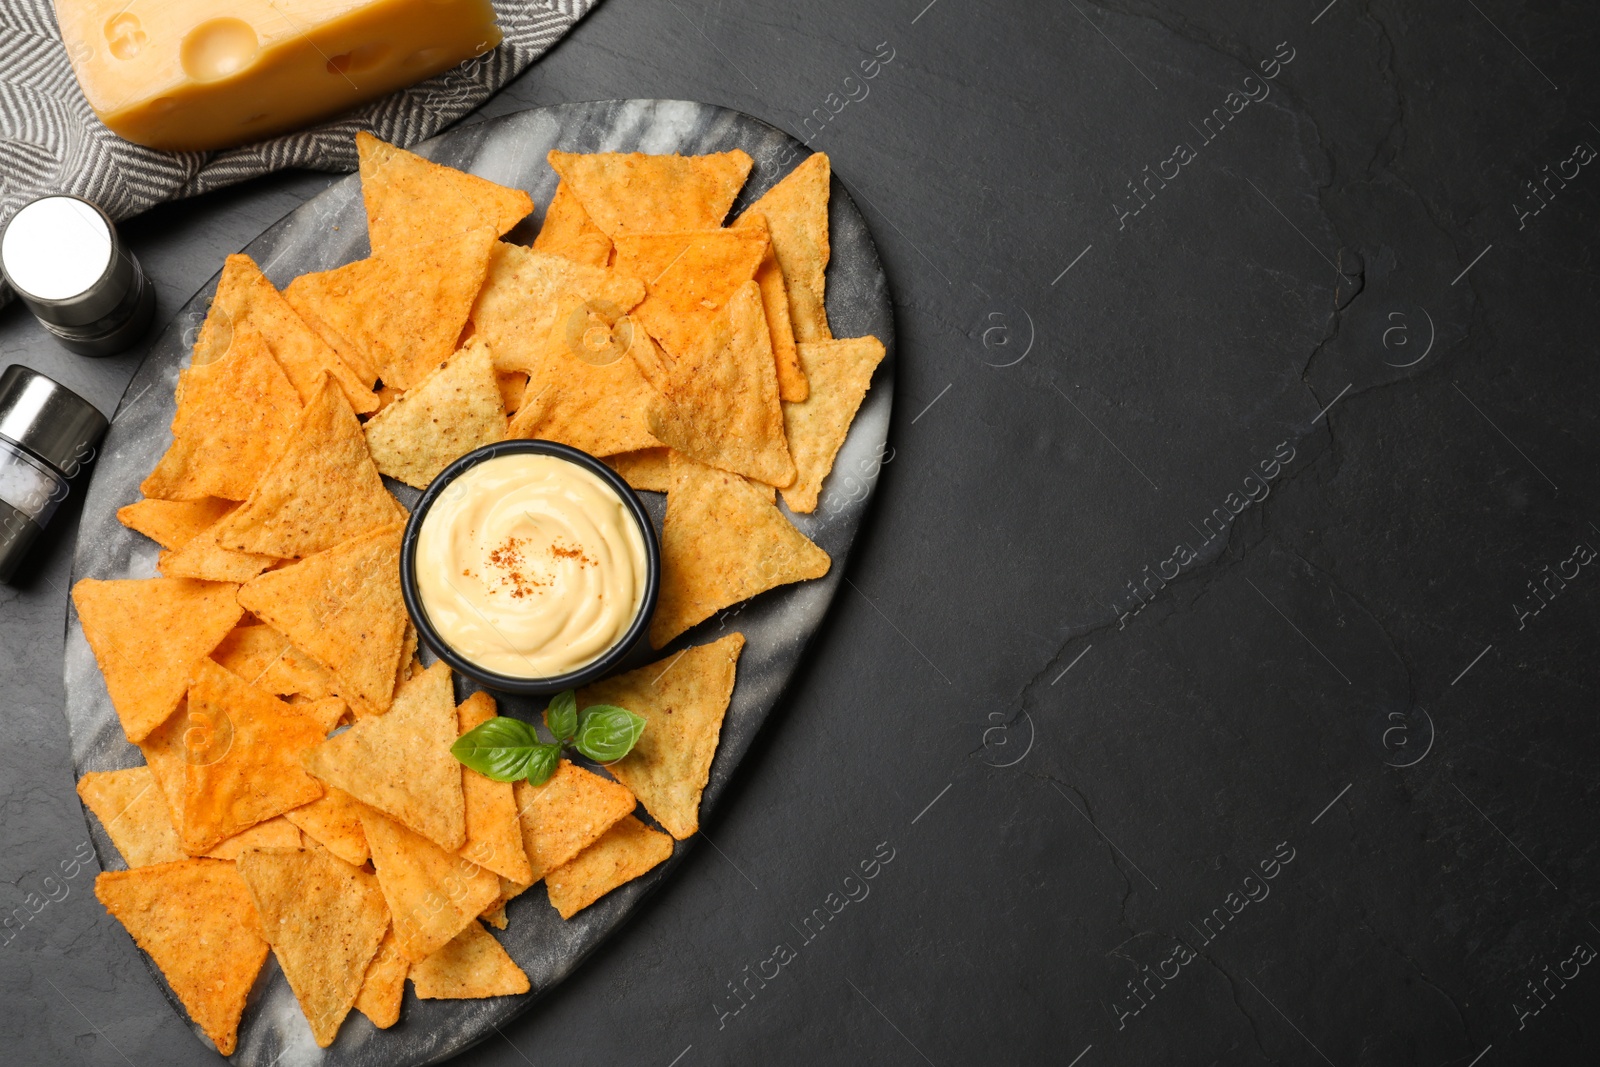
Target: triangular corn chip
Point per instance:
(323, 302)
(323, 489)
(723, 541)
(146, 634)
(324, 920)
(568, 231)
(196, 920)
(244, 294)
(234, 418)
(409, 198)
(403, 310)
(334, 822)
(721, 402)
(472, 965)
(682, 700)
(255, 773)
(400, 763)
(171, 523)
(342, 607)
(495, 914)
(265, 658)
(796, 211)
(202, 557)
(644, 468)
(689, 277)
(630, 192)
(130, 807)
(528, 293)
(182, 740)
(444, 416)
(494, 832)
(592, 397)
(432, 894)
(384, 986)
(623, 853)
(840, 373)
(792, 385)
(566, 815)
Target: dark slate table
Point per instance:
(1216, 670)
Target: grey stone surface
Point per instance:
(1103, 774)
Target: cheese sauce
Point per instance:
(530, 566)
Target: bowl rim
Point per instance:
(506, 683)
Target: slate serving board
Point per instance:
(330, 230)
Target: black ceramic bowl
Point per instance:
(506, 683)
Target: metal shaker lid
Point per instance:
(47, 418)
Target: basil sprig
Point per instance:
(506, 749)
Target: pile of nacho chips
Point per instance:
(297, 791)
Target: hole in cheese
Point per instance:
(359, 59)
(218, 48)
(124, 35)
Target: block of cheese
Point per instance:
(201, 74)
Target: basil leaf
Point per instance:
(562, 716)
(500, 748)
(542, 763)
(606, 732)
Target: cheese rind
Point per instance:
(183, 77)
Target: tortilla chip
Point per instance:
(721, 402)
(792, 384)
(444, 416)
(432, 893)
(653, 363)
(494, 832)
(528, 293)
(627, 850)
(322, 300)
(334, 822)
(643, 468)
(196, 920)
(723, 541)
(410, 199)
(595, 400)
(244, 294)
(566, 815)
(568, 231)
(325, 920)
(796, 211)
(171, 523)
(840, 373)
(495, 914)
(384, 986)
(689, 277)
(265, 658)
(682, 700)
(472, 965)
(342, 607)
(130, 808)
(630, 192)
(513, 386)
(256, 772)
(403, 310)
(410, 666)
(202, 557)
(146, 634)
(323, 489)
(234, 418)
(276, 832)
(400, 763)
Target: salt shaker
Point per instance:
(47, 434)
